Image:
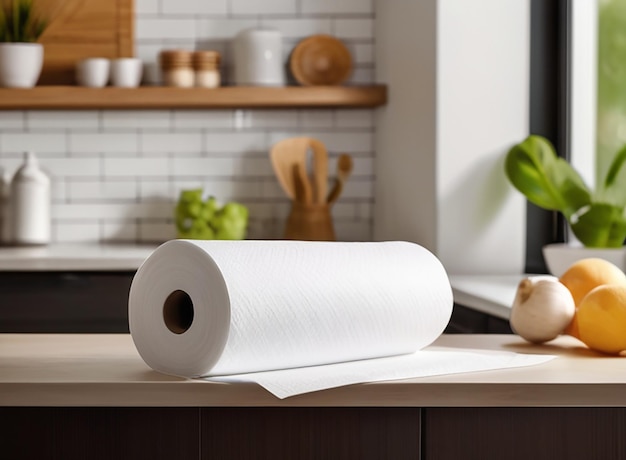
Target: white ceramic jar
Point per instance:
(258, 58)
(30, 203)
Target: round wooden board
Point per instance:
(320, 60)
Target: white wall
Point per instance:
(454, 111)
(117, 174)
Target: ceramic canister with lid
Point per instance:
(206, 65)
(258, 58)
(30, 203)
(177, 68)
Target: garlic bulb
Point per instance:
(542, 308)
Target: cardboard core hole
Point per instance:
(178, 312)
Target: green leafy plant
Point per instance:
(18, 22)
(597, 219)
(200, 219)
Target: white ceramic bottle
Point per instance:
(5, 196)
(30, 203)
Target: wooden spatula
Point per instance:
(284, 155)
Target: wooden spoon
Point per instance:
(284, 155)
(344, 168)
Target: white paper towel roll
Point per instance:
(199, 308)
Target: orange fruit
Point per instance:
(586, 274)
(601, 318)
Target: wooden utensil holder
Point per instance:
(309, 222)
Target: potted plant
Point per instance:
(596, 218)
(21, 58)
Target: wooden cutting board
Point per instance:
(83, 28)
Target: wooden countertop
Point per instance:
(74, 257)
(106, 370)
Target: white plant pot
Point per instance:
(20, 64)
(560, 256)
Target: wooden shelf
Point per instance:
(160, 97)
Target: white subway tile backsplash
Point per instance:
(362, 76)
(163, 209)
(354, 119)
(194, 119)
(76, 231)
(131, 120)
(91, 211)
(69, 119)
(337, 6)
(358, 189)
(223, 28)
(163, 29)
(298, 28)
(243, 142)
(202, 166)
(154, 190)
(58, 190)
(72, 167)
(359, 230)
(222, 166)
(362, 53)
(257, 167)
(343, 210)
(157, 232)
(195, 7)
(120, 230)
(35, 142)
(79, 190)
(146, 7)
(10, 119)
(271, 189)
(347, 29)
(152, 143)
(246, 119)
(365, 211)
(225, 190)
(136, 167)
(94, 143)
(320, 118)
(263, 7)
(149, 52)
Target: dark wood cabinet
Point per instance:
(235, 433)
(523, 433)
(64, 302)
(469, 321)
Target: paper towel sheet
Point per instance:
(426, 363)
(216, 308)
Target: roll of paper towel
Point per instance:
(220, 307)
(294, 316)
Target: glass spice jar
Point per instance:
(206, 66)
(177, 68)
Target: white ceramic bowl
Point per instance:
(126, 72)
(93, 72)
(559, 257)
